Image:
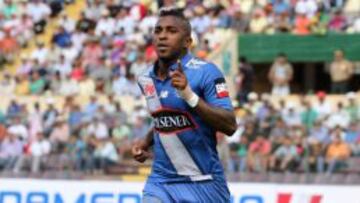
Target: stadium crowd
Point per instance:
(110, 43)
(296, 136)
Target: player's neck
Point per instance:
(164, 65)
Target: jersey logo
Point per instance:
(149, 90)
(164, 94)
(221, 88)
(171, 121)
(195, 63)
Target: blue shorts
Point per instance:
(210, 191)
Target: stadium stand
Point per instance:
(71, 107)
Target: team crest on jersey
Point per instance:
(221, 88)
(149, 90)
(147, 86)
(195, 63)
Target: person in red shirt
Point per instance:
(302, 25)
(258, 154)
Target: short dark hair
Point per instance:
(282, 54)
(177, 13)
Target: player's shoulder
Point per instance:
(201, 65)
(147, 71)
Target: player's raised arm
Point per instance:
(220, 119)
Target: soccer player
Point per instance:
(189, 102)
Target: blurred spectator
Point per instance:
(37, 83)
(60, 134)
(61, 37)
(25, 67)
(39, 150)
(258, 22)
(279, 131)
(40, 13)
(7, 85)
(302, 25)
(68, 86)
(239, 22)
(309, 116)
(353, 109)
(284, 158)
(337, 154)
(49, 116)
(306, 7)
(35, 124)
(98, 128)
(11, 148)
(8, 46)
(67, 23)
(258, 154)
(323, 107)
(105, 154)
(244, 80)
(292, 117)
(40, 53)
(63, 67)
(280, 75)
(319, 134)
(238, 155)
(352, 136)
(282, 23)
(341, 71)
(18, 129)
(337, 22)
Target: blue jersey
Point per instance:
(184, 145)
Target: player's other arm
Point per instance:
(140, 148)
(220, 119)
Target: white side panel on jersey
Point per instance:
(180, 157)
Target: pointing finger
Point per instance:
(179, 66)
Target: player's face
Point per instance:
(170, 38)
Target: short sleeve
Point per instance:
(214, 87)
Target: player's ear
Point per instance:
(188, 42)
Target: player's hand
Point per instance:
(178, 77)
(140, 152)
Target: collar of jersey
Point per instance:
(184, 60)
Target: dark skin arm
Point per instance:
(220, 119)
(140, 149)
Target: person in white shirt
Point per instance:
(40, 148)
(40, 53)
(70, 52)
(78, 39)
(138, 66)
(307, 7)
(322, 107)
(98, 128)
(86, 85)
(105, 24)
(19, 129)
(280, 75)
(38, 11)
(292, 117)
(66, 22)
(123, 20)
(148, 23)
(339, 118)
(105, 154)
(63, 67)
(7, 85)
(69, 87)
